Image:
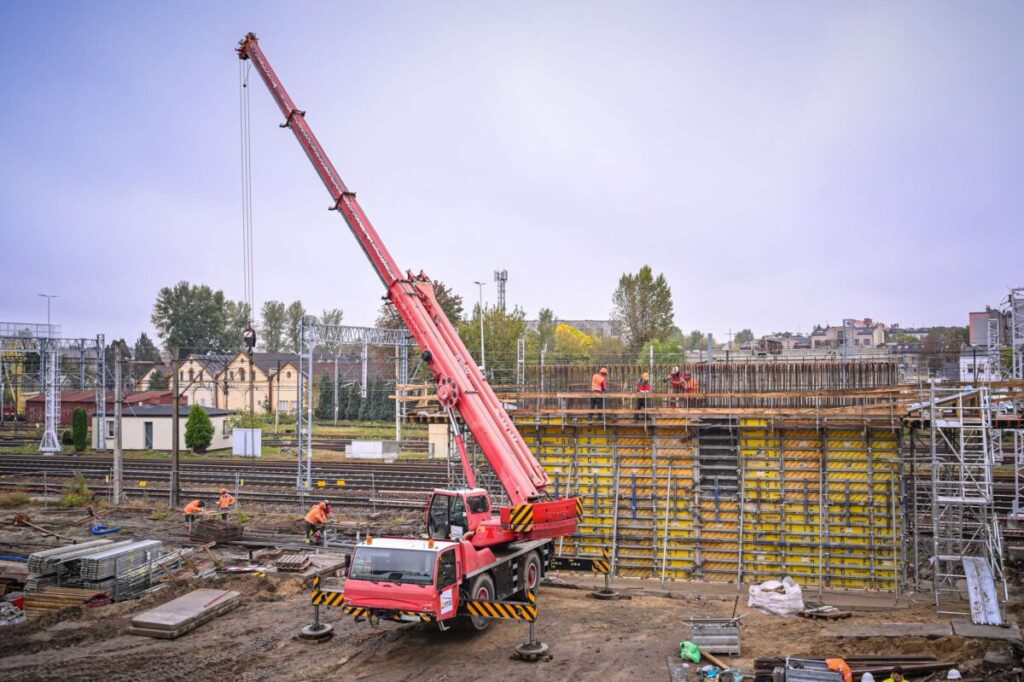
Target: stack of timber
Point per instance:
(214, 530)
(184, 614)
(293, 563)
(56, 598)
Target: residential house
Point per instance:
(269, 382)
(150, 427)
(866, 333)
(978, 327)
(198, 376)
(978, 367)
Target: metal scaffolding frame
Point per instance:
(1015, 303)
(967, 546)
(53, 351)
(315, 334)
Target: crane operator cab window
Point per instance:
(447, 517)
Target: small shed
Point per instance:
(148, 427)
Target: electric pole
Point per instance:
(175, 417)
(118, 455)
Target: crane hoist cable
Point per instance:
(246, 166)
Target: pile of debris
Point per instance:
(791, 668)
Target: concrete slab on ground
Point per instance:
(852, 630)
(186, 609)
(963, 628)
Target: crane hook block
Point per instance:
(447, 392)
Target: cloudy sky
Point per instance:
(782, 163)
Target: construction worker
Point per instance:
(598, 387)
(643, 387)
(896, 676)
(316, 519)
(839, 665)
(192, 510)
(226, 503)
(690, 383)
(676, 379)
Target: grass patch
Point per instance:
(160, 515)
(243, 518)
(76, 493)
(12, 500)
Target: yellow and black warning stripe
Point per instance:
(356, 611)
(579, 508)
(504, 609)
(404, 615)
(327, 598)
(520, 519)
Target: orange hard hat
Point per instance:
(322, 505)
(645, 376)
(223, 491)
(604, 370)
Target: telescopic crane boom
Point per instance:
(460, 383)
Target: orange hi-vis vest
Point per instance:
(599, 384)
(316, 515)
(193, 507)
(226, 501)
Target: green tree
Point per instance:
(110, 352)
(743, 336)
(198, 429)
(450, 302)
(502, 331)
(667, 351)
(546, 325)
(158, 381)
(325, 397)
(193, 318)
(642, 308)
(272, 328)
(237, 316)
(695, 340)
(293, 320)
(144, 350)
(80, 429)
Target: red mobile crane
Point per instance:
(471, 553)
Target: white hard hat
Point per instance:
(953, 674)
(867, 677)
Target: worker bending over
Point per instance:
(226, 503)
(192, 510)
(643, 387)
(598, 387)
(316, 519)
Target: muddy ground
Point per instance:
(589, 639)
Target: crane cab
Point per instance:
(452, 513)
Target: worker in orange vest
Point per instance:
(192, 510)
(316, 519)
(598, 386)
(690, 383)
(643, 387)
(226, 502)
(839, 665)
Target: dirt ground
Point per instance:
(626, 640)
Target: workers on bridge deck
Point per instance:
(690, 383)
(226, 502)
(643, 387)
(192, 510)
(598, 387)
(677, 380)
(316, 519)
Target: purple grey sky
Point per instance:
(782, 163)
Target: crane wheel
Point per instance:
(482, 590)
(530, 573)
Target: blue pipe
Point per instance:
(103, 530)
(13, 557)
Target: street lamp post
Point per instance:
(483, 351)
(49, 298)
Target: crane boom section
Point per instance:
(460, 383)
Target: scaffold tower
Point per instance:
(967, 542)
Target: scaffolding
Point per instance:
(313, 335)
(43, 353)
(966, 537)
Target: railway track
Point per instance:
(404, 485)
